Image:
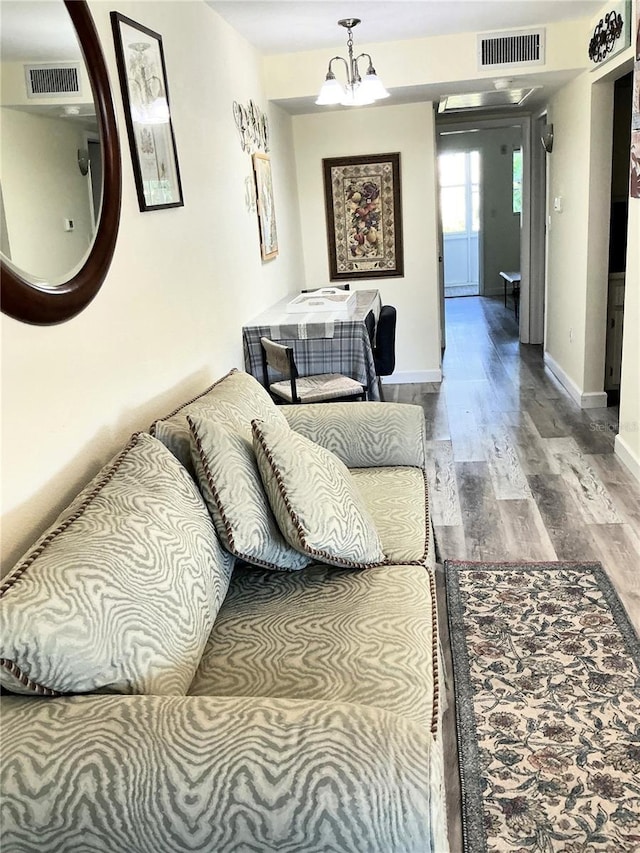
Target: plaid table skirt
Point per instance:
(332, 347)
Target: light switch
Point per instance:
(68, 225)
(557, 204)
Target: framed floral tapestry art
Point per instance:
(364, 216)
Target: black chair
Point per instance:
(384, 349)
(318, 388)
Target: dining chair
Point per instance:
(384, 349)
(294, 388)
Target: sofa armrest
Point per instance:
(154, 774)
(364, 435)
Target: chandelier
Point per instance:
(358, 90)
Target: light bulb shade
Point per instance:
(356, 96)
(373, 87)
(332, 92)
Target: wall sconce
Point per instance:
(83, 161)
(547, 138)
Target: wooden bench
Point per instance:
(512, 278)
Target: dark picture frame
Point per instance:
(145, 93)
(364, 216)
(634, 164)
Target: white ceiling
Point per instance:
(36, 31)
(287, 26)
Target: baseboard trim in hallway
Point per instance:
(584, 399)
(626, 456)
(409, 377)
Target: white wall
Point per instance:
(168, 318)
(578, 239)
(568, 169)
(408, 129)
(580, 174)
(37, 201)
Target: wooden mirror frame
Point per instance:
(29, 301)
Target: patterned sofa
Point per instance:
(178, 677)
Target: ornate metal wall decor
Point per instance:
(253, 127)
(605, 33)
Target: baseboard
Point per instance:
(584, 399)
(411, 376)
(627, 457)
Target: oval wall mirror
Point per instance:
(61, 203)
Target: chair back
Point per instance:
(370, 323)
(280, 358)
(384, 354)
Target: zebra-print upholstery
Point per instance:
(229, 480)
(120, 595)
(312, 724)
(171, 774)
(397, 501)
(232, 401)
(386, 434)
(313, 498)
(364, 637)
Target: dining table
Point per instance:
(323, 341)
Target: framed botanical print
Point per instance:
(266, 209)
(145, 93)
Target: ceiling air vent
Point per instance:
(500, 50)
(52, 79)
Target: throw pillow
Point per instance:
(234, 401)
(313, 498)
(121, 593)
(227, 472)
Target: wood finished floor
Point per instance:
(518, 472)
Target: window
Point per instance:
(516, 169)
(460, 191)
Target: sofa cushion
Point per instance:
(162, 774)
(227, 472)
(397, 500)
(120, 595)
(313, 498)
(365, 637)
(233, 401)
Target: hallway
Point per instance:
(518, 470)
(517, 473)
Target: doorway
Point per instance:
(459, 174)
(622, 110)
(485, 208)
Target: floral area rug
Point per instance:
(547, 690)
